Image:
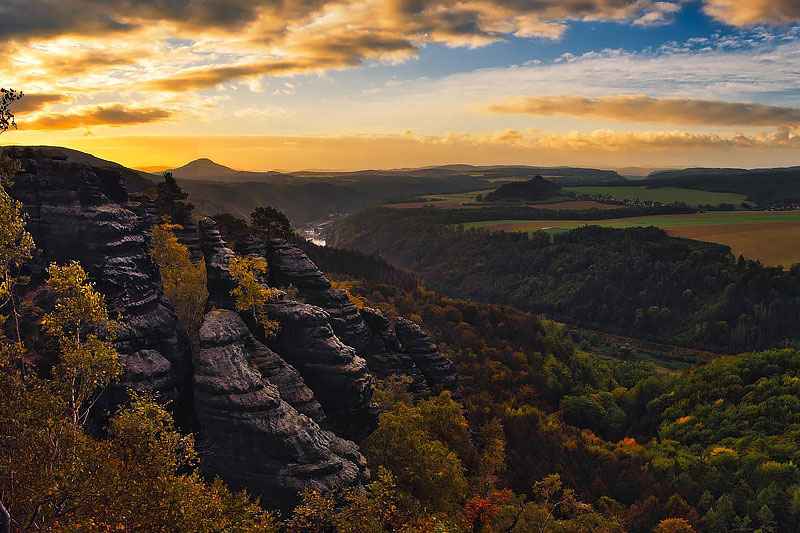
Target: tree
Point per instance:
(169, 201)
(184, 282)
(251, 293)
(84, 334)
(16, 244)
(674, 525)
(425, 467)
(233, 229)
(8, 97)
(272, 222)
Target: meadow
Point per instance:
(665, 195)
(770, 237)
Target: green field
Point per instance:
(770, 237)
(666, 195)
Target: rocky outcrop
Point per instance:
(385, 357)
(291, 266)
(437, 369)
(337, 375)
(84, 214)
(256, 439)
(218, 259)
(284, 376)
(306, 342)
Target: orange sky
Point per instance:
(349, 84)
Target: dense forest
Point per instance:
(636, 282)
(713, 446)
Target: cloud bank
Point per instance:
(653, 110)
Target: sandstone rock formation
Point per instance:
(386, 358)
(256, 439)
(82, 213)
(218, 258)
(291, 266)
(337, 375)
(437, 369)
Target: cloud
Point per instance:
(753, 12)
(233, 39)
(653, 110)
(101, 115)
(31, 103)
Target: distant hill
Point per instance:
(767, 187)
(537, 188)
(562, 175)
(203, 168)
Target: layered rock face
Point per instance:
(402, 349)
(257, 440)
(291, 266)
(437, 369)
(337, 375)
(84, 214)
(307, 342)
(386, 358)
(218, 258)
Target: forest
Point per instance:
(636, 281)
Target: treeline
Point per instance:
(767, 188)
(637, 282)
(463, 216)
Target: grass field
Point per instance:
(467, 200)
(770, 237)
(666, 195)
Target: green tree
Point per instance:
(8, 97)
(233, 229)
(80, 326)
(170, 203)
(271, 222)
(184, 281)
(424, 466)
(16, 244)
(251, 293)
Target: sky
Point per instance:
(353, 84)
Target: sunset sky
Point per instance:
(297, 84)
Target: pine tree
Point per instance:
(169, 201)
(272, 222)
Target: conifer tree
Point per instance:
(170, 201)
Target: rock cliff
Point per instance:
(402, 348)
(291, 266)
(256, 439)
(437, 369)
(84, 214)
(337, 375)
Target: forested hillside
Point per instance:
(714, 446)
(636, 282)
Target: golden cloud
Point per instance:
(102, 115)
(31, 103)
(227, 40)
(646, 109)
(751, 12)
